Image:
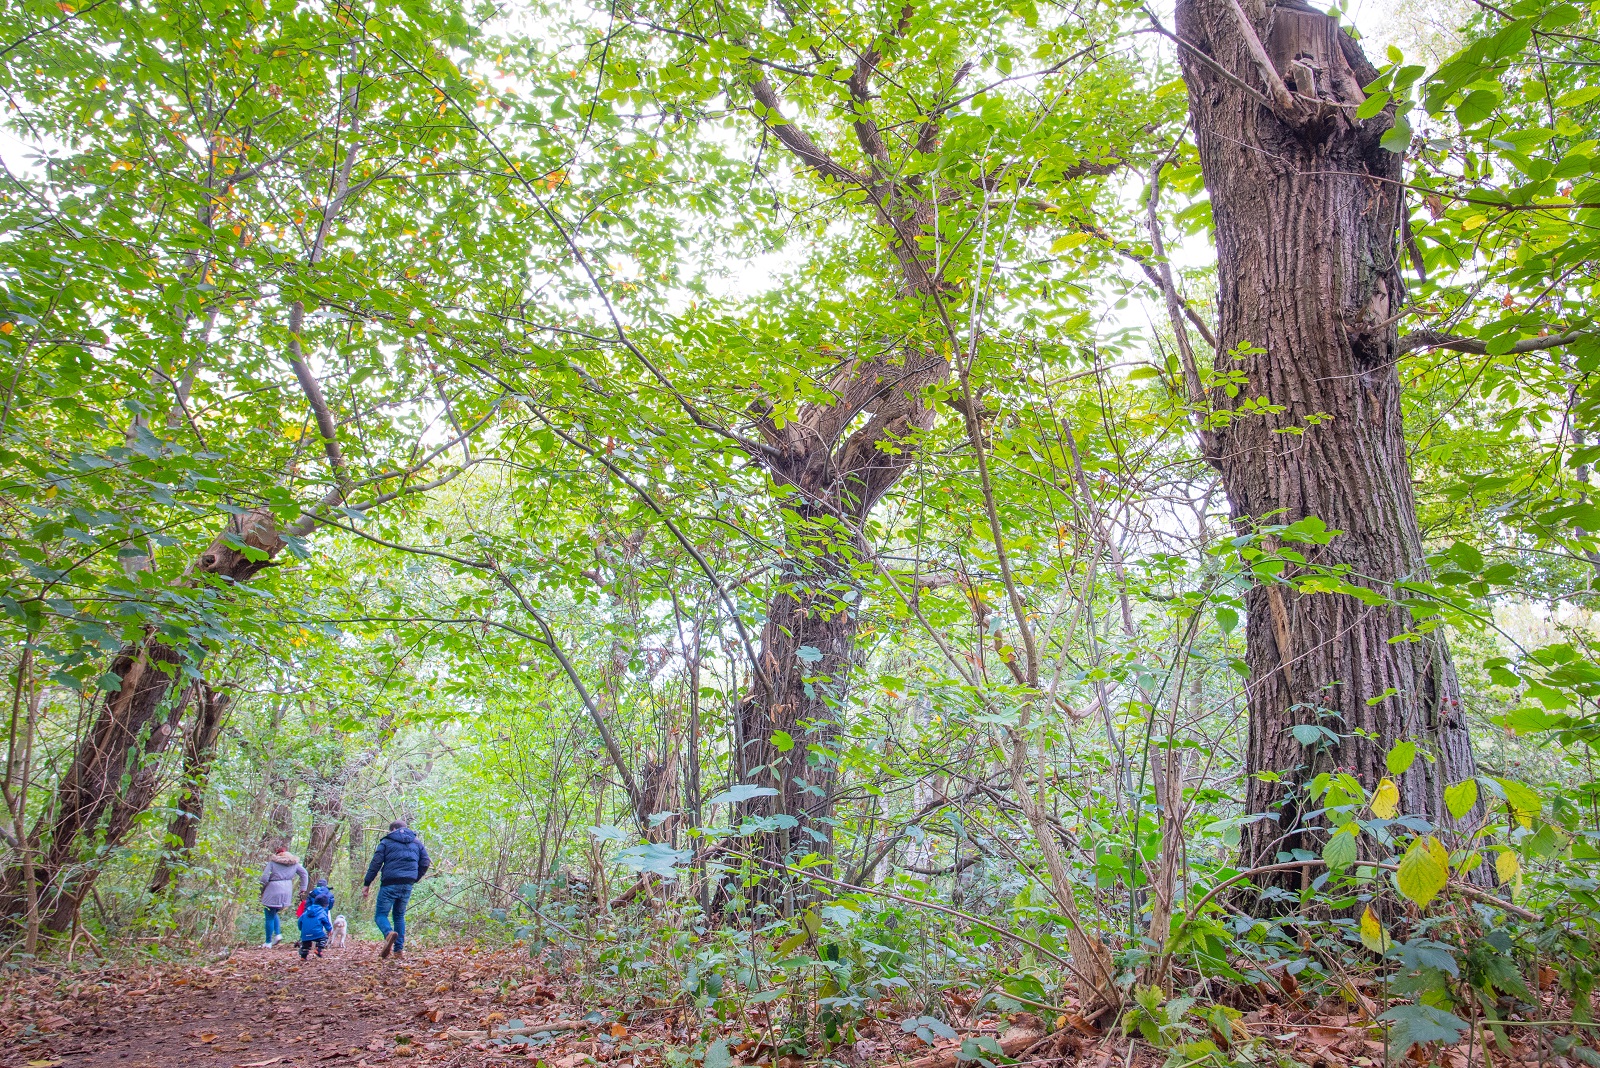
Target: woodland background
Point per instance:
(811, 479)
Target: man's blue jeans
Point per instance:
(392, 897)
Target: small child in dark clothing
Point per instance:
(315, 926)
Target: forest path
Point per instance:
(264, 1007)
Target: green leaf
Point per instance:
(1401, 757)
(657, 858)
(1340, 852)
(1415, 1025)
(1398, 137)
(1578, 97)
(718, 1055)
(1460, 797)
(782, 741)
(740, 793)
(1478, 105)
(1372, 105)
(1523, 799)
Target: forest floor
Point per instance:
(264, 1007)
(463, 1007)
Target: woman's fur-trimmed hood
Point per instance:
(283, 856)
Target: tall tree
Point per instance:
(903, 124)
(1308, 207)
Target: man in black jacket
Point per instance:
(401, 859)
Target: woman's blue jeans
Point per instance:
(274, 928)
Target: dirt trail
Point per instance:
(266, 1007)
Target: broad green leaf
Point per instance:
(1372, 105)
(1401, 757)
(1340, 851)
(1398, 138)
(1416, 1025)
(740, 793)
(1461, 797)
(1523, 800)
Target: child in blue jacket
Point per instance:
(315, 926)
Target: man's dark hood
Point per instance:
(405, 835)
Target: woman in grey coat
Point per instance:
(277, 889)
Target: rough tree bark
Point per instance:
(1308, 206)
(199, 749)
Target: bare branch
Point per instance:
(1434, 339)
(1282, 99)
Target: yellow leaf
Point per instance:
(1373, 936)
(6, 328)
(1507, 866)
(1068, 241)
(1386, 799)
(1474, 222)
(1423, 871)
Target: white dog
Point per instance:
(341, 928)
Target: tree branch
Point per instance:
(797, 140)
(1277, 91)
(1434, 339)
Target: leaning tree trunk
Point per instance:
(199, 749)
(134, 724)
(1308, 206)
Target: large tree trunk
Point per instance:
(1308, 208)
(807, 644)
(199, 749)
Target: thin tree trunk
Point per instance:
(358, 856)
(17, 777)
(1307, 206)
(327, 819)
(199, 750)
